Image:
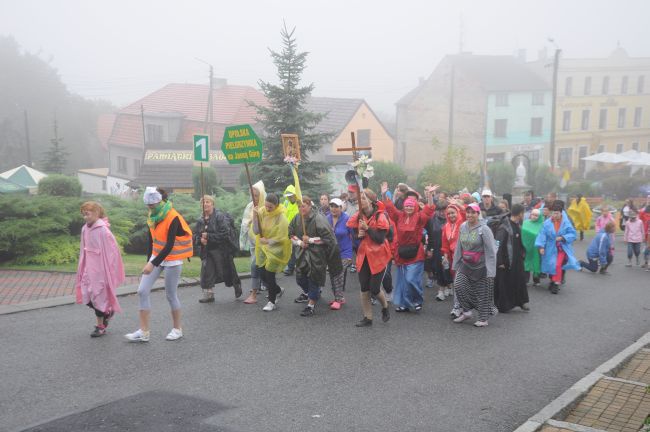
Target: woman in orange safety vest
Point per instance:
(170, 241)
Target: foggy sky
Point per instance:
(121, 50)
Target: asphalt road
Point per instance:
(239, 369)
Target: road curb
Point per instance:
(569, 399)
(71, 299)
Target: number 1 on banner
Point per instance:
(201, 149)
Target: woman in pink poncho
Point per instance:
(100, 269)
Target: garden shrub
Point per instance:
(60, 185)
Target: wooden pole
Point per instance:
(250, 188)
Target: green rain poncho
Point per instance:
(529, 231)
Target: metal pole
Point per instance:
(556, 63)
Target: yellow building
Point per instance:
(603, 105)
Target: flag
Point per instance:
(296, 182)
(565, 178)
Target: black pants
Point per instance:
(98, 313)
(535, 278)
(387, 282)
(269, 282)
(368, 281)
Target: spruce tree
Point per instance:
(56, 157)
(286, 113)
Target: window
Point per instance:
(568, 84)
(602, 119)
(536, 126)
(154, 133)
(502, 99)
(582, 152)
(500, 128)
(601, 148)
(566, 120)
(621, 117)
(584, 124)
(538, 98)
(635, 146)
(624, 85)
(121, 165)
(619, 148)
(638, 112)
(640, 83)
(605, 85)
(565, 157)
(363, 137)
(587, 86)
(103, 185)
(136, 167)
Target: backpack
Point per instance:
(391, 230)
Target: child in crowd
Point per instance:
(634, 236)
(100, 269)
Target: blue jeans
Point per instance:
(633, 249)
(408, 287)
(309, 287)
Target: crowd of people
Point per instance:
(480, 252)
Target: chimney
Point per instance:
(218, 83)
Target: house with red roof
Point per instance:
(150, 142)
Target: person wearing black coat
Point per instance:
(215, 236)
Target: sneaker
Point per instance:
(480, 324)
(278, 295)
(353, 268)
(455, 313)
(525, 307)
(365, 322)
(336, 305)
(302, 298)
(99, 331)
(402, 309)
(207, 299)
(554, 288)
(175, 334)
(138, 336)
(307, 312)
(385, 314)
(430, 283)
(107, 318)
(440, 296)
(269, 307)
(462, 317)
(447, 292)
(418, 307)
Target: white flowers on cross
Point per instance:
(363, 167)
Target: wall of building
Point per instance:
(425, 120)
(92, 183)
(382, 143)
(133, 158)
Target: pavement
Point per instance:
(240, 369)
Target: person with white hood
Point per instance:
(247, 238)
(170, 242)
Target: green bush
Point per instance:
(543, 180)
(53, 250)
(623, 187)
(60, 185)
(386, 172)
(451, 173)
(586, 188)
(502, 177)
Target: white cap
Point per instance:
(487, 192)
(336, 201)
(151, 195)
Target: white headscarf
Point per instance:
(151, 195)
(245, 231)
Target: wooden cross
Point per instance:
(354, 149)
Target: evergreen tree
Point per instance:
(286, 113)
(56, 157)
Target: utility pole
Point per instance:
(27, 143)
(556, 63)
(450, 136)
(144, 137)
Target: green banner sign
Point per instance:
(241, 145)
(201, 148)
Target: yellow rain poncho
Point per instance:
(275, 227)
(580, 214)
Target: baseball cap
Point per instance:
(337, 202)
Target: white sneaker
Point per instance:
(447, 292)
(464, 316)
(175, 334)
(480, 324)
(138, 336)
(278, 295)
(430, 283)
(269, 307)
(440, 296)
